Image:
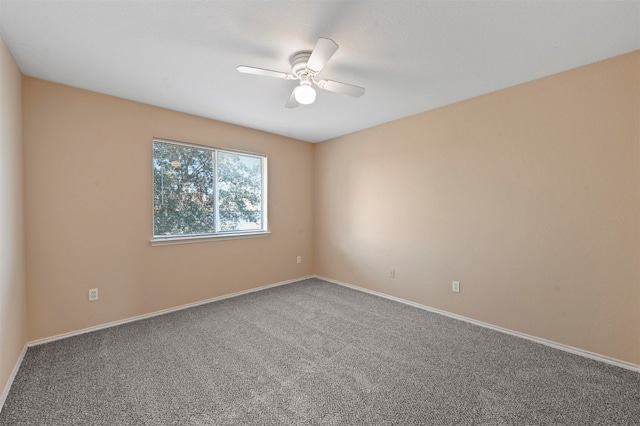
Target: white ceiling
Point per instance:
(411, 56)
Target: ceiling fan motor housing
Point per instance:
(299, 64)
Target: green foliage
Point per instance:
(183, 192)
(184, 185)
(239, 191)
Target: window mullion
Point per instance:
(216, 213)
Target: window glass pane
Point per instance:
(239, 192)
(183, 180)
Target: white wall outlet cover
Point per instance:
(455, 286)
(93, 294)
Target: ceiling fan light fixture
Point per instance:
(306, 66)
(304, 94)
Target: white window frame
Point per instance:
(217, 235)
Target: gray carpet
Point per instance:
(313, 353)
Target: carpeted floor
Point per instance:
(313, 353)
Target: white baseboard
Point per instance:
(161, 312)
(562, 347)
(5, 391)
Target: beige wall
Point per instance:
(13, 308)
(529, 196)
(89, 211)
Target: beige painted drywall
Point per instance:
(530, 197)
(13, 305)
(89, 211)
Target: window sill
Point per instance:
(165, 241)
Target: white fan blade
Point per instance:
(291, 102)
(342, 88)
(324, 50)
(266, 73)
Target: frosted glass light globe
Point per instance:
(304, 94)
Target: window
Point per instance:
(201, 192)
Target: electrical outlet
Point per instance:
(455, 286)
(299, 259)
(93, 294)
(392, 273)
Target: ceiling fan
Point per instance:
(305, 66)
